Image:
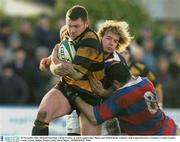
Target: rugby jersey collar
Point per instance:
(115, 57)
(81, 35)
(132, 81)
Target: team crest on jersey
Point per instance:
(151, 102)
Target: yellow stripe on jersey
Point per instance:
(99, 75)
(139, 69)
(136, 69)
(81, 69)
(82, 84)
(87, 52)
(90, 34)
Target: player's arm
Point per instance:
(62, 67)
(98, 88)
(54, 55)
(44, 63)
(69, 70)
(95, 114)
(75, 74)
(59, 67)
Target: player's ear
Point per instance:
(116, 84)
(86, 23)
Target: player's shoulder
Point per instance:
(91, 41)
(62, 32)
(90, 34)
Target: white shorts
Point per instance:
(104, 131)
(72, 123)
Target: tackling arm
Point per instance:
(98, 88)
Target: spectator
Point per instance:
(148, 58)
(26, 69)
(13, 88)
(174, 70)
(5, 32)
(27, 38)
(163, 75)
(43, 34)
(145, 33)
(167, 43)
(5, 55)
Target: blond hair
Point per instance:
(121, 28)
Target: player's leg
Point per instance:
(72, 124)
(87, 128)
(54, 104)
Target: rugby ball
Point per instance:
(66, 51)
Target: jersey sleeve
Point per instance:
(109, 109)
(89, 55)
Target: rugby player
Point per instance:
(134, 103)
(88, 61)
(139, 69)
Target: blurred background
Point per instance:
(29, 29)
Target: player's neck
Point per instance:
(107, 55)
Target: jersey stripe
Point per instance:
(144, 126)
(171, 127)
(145, 115)
(100, 117)
(90, 42)
(125, 90)
(137, 91)
(88, 64)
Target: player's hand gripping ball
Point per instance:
(66, 52)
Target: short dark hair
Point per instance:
(118, 71)
(76, 12)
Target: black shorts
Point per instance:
(89, 98)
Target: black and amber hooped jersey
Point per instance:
(88, 60)
(139, 69)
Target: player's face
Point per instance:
(110, 42)
(76, 27)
